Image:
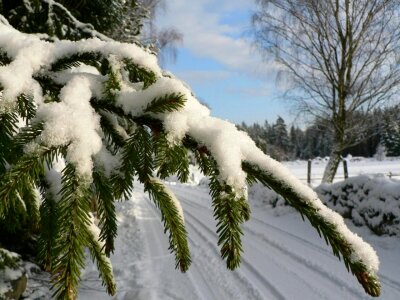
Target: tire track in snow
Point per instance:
(151, 207)
(305, 262)
(245, 263)
(257, 275)
(390, 282)
(205, 261)
(384, 279)
(252, 218)
(184, 193)
(208, 263)
(290, 254)
(277, 229)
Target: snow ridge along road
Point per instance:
(284, 258)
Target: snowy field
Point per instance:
(284, 258)
(355, 165)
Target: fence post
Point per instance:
(346, 172)
(309, 172)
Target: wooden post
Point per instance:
(346, 172)
(309, 172)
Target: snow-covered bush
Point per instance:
(266, 196)
(370, 201)
(81, 120)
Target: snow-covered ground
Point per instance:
(284, 258)
(356, 166)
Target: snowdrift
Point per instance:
(372, 201)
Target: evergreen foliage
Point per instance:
(43, 182)
(73, 20)
(315, 140)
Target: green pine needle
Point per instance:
(29, 169)
(26, 107)
(139, 153)
(73, 234)
(75, 60)
(103, 190)
(167, 103)
(49, 227)
(103, 264)
(113, 139)
(169, 159)
(173, 223)
(8, 129)
(139, 74)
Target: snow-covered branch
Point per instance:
(74, 87)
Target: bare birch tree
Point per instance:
(339, 56)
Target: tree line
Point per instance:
(380, 136)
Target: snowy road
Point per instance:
(284, 258)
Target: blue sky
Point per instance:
(218, 61)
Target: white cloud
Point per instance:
(205, 35)
(203, 77)
(259, 91)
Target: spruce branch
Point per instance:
(230, 214)
(73, 234)
(139, 74)
(103, 264)
(136, 160)
(112, 85)
(166, 103)
(49, 227)
(8, 128)
(103, 190)
(75, 60)
(50, 88)
(29, 196)
(170, 159)
(26, 107)
(26, 135)
(27, 170)
(173, 222)
(65, 224)
(230, 208)
(341, 248)
(113, 138)
(139, 152)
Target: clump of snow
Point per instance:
(73, 121)
(53, 177)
